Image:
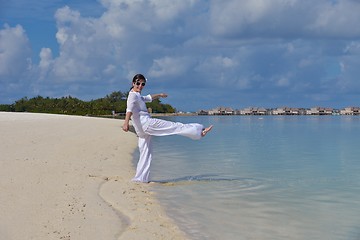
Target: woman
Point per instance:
(146, 127)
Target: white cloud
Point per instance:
(117, 38)
(337, 19)
(216, 63)
(66, 15)
(353, 48)
(129, 16)
(348, 80)
(46, 61)
(285, 18)
(219, 71)
(258, 17)
(283, 82)
(88, 46)
(61, 36)
(169, 67)
(167, 10)
(110, 69)
(15, 53)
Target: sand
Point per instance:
(68, 177)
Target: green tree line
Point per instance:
(116, 102)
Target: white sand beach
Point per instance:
(68, 177)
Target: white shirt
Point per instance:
(140, 115)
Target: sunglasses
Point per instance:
(138, 84)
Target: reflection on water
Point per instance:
(270, 178)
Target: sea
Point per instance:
(262, 177)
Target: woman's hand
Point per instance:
(125, 127)
(159, 95)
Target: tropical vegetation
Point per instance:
(112, 103)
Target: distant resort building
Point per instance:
(281, 111)
(221, 111)
(320, 111)
(350, 111)
(288, 111)
(253, 111)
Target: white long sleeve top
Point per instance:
(136, 105)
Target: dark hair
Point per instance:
(138, 77)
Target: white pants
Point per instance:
(159, 127)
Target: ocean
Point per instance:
(262, 177)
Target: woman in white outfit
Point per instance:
(146, 127)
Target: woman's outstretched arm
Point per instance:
(125, 126)
(159, 95)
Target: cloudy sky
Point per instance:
(203, 53)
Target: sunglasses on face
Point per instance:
(138, 83)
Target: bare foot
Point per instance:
(206, 130)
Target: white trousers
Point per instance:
(159, 127)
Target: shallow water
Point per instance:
(271, 177)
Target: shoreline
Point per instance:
(68, 177)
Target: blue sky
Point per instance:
(203, 53)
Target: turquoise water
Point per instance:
(270, 177)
